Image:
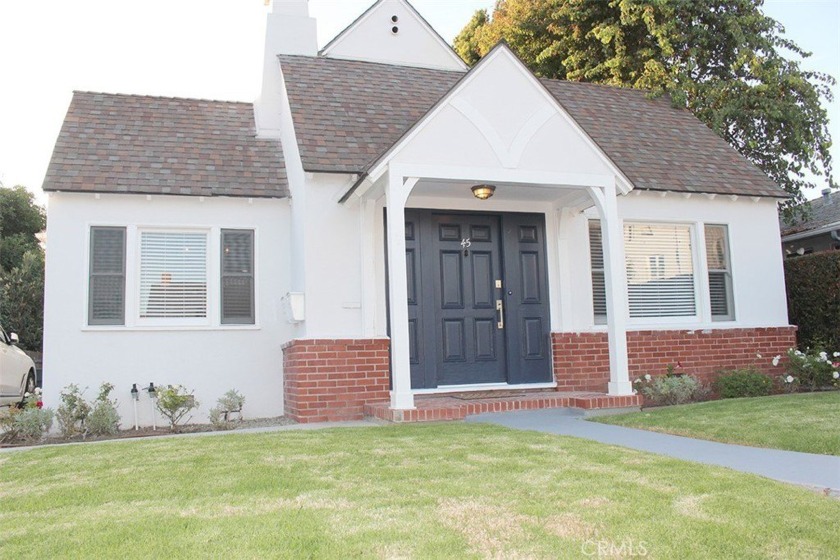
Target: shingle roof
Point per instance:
(823, 211)
(348, 113)
(155, 145)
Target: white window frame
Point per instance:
(730, 284)
(207, 320)
(132, 280)
(697, 266)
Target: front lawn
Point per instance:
(419, 491)
(808, 422)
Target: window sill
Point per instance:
(160, 328)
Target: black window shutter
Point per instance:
(106, 283)
(237, 277)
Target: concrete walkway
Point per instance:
(816, 471)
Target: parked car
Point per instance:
(17, 370)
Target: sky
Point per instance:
(212, 49)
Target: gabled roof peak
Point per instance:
(393, 31)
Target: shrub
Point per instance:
(672, 389)
(230, 403)
(73, 411)
(813, 369)
(27, 424)
(174, 403)
(742, 383)
(104, 420)
(813, 290)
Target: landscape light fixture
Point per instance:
(135, 396)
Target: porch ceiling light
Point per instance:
(483, 192)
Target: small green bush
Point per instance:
(73, 411)
(27, 424)
(672, 389)
(104, 420)
(813, 369)
(742, 383)
(175, 402)
(221, 414)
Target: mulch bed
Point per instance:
(147, 431)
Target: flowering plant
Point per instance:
(789, 383)
(27, 423)
(33, 399)
(671, 388)
(813, 369)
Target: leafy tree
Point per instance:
(723, 59)
(21, 266)
(20, 219)
(22, 300)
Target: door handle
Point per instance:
(500, 307)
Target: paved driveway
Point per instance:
(819, 471)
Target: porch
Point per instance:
(457, 406)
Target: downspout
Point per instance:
(835, 234)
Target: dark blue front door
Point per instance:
(478, 305)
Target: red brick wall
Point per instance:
(582, 363)
(332, 380)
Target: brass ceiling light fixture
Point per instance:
(483, 192)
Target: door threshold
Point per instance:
(483, 387)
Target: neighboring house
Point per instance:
(384, 222)
(818, 230)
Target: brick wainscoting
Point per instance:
(582, 363)
(333, 380)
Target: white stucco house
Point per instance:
(384, 224)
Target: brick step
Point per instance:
(447, 407)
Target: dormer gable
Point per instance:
(393, 32)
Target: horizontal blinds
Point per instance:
(237, 276)
(173, 275)
(719, 293)
(596, 252)
(660, 270)
(106, 296)
(720, 280)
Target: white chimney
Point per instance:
(288, 30)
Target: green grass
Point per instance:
(418, 491)
(808, 422)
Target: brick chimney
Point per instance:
(288, 30)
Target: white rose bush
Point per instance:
(812, 370)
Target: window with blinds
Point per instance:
(720, 274)
(173, 275)
(596, 262)
(660, 270)
(106, 282)
(237, 277)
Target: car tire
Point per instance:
(29, 387)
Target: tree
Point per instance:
(20, 219)
(21, 266)
(22, 299)
(722, 59)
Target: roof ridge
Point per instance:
(370, 62)
(422, 68)
(166, 97)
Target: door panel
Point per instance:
(481, 356)
(526, 299)
(454, 261)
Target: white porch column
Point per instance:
(615, 276)
(396, 194)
